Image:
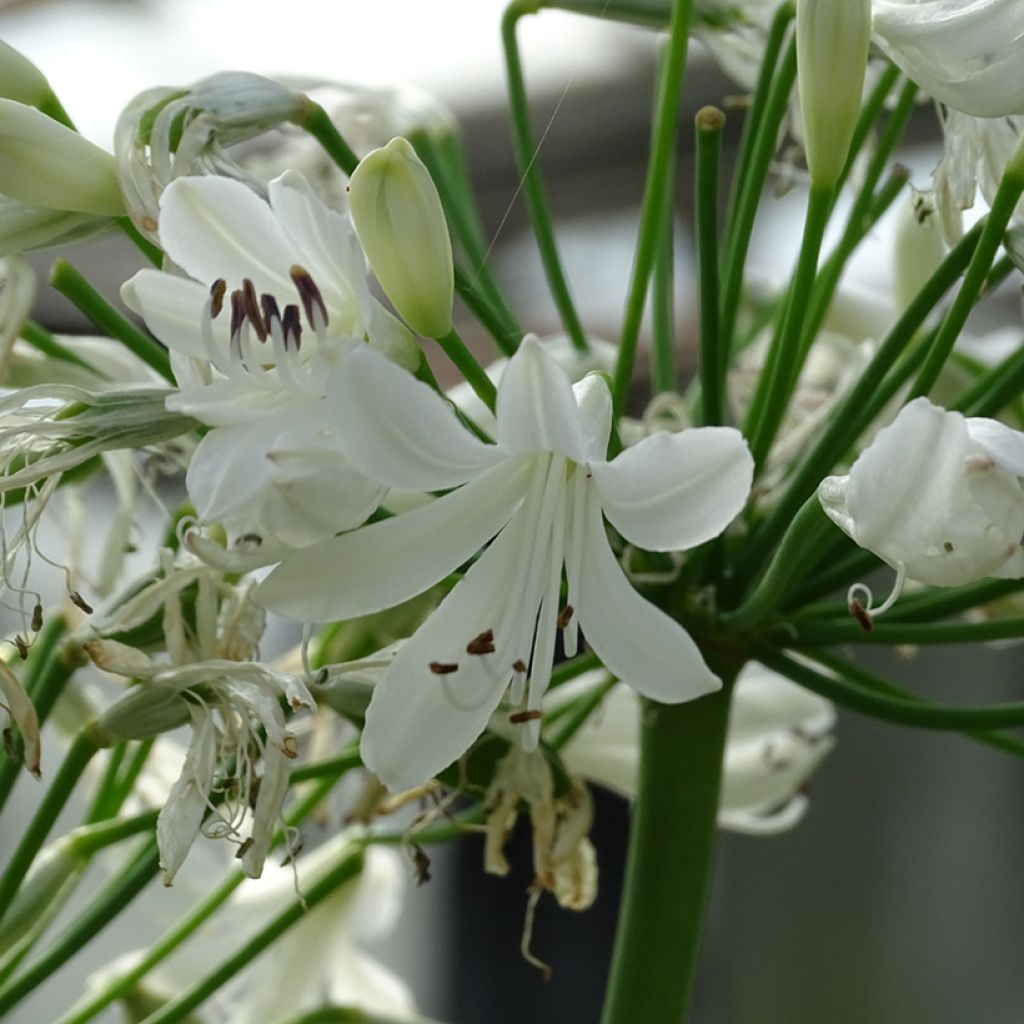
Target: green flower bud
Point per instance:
(832, 40)
(45, 164)
(39, 895)
(400, 222)
(20, 79)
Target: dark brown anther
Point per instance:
(10, 747)
(252, 309)
(443, 668)
(861, 614)
(320, 679)
(249, 540)
(80, 602)
(565, 616)
(22, 645)
(254, 793)
(217, 291)
(291, 323)
(37, 617)
(309, 294)
(237, 319)
(244, 848)
(524, 716)
(294, 850)
(271, 310)
(519, 665)
(482, 644)
(421, 863)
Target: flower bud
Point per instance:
(919, 246)
(400, 222)
(20, 79)
(142, 712)
(38, 895)
(24, 227)
(832, 40)
(45, 164)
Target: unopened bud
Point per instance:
(919, 246)
(46, 164)
(400, 222)
(143, 711)
(20, 79)
(24, 227)
(832, 41)
(37, 897)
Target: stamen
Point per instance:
(80, 602)
(863, 610)
(443, 668)
(519, 666)
(252, 309)
(311, 298)
(525, 716)
(291, 322)
(217, 292)
(482, 644)
(565, 616)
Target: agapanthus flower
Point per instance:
(234, 705)
(937, 496)
(778, 735)
(299, 299)
(541, 495)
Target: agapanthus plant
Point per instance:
(516, 575)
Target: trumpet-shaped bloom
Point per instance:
(541, 494)
(936, 496)
(299, 299)
(968, 54)
(778, 735)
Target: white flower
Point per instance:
(232, 704)
(539, 493)
(778, 735)
(936, 496)
(317, 963)
(19, 707)
(968, 54)
(299, 299)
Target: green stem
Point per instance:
(139, 870)
(815, 632)
(69, 282)
(670, 856)
(1003, 206)
(804, 539)
(914, 713)
(101, 799)
(82, 749)
(848, 420)
(347, 868)
(507, 338)
(455, 349)
(782, 364)
(43, 341)
(657, 190)
(994, 389)
(315, 120)
(710, 123)
(749, 189)
(527, 152)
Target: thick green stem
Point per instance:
(82, 749)
(527, 151)
(783, 363)
(710, 123)
(69, 282)
(657, 190)
(43, 341)
(505, 336)
(670, 857)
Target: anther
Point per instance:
(519, 665)
(80, 602)
(443, 668)
(420, 863)
(244, 847)
(22, 645)
(482, 644)
(37, 617)
(271, 310)
(525, 716)
(861, 614)
(312, 299)
(252, 309)
(565, 616)
(291, 323)
(217, 292)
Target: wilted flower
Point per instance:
(22, 712)
(541, 493)
(936, 496)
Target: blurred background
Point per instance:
(899, 898)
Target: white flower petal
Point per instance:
(23, 714)
(635, 640)
(173, 308)
(215, 227)
(419, 720)
(594, 402)
(536, 409)
(675, 491)
(765, 702)
(1003, 444)
(399, 431)
(383, 564)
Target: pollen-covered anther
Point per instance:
(481, 644)
(291, 323)
(519, 717)
(217, 292)
(443, 668)
(519, 666)
(311, 298)
(565, 616)
(251, 307)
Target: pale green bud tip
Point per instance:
(45, 164)
(832, 41)
(401, 224)
(20, 79)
